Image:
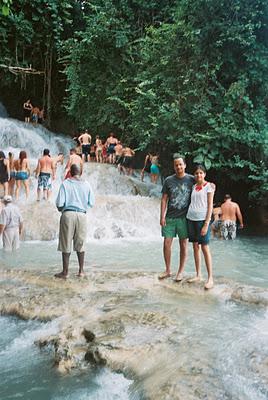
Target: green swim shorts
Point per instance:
(175, 227)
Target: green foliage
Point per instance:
(166, 75)
(5, 7)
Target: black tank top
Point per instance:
(3, 172)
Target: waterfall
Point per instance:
(125, 207)
(16, 136)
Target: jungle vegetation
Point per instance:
(188, 76)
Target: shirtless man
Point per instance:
(128, 155)
(230, 213)
(85, 140)
(111, 142)
(74, 158)
(45, 172)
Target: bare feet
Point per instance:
(164, 275)
(81, 275)
(194, 279)
(209, 284)
(61, 275)
(178, 278)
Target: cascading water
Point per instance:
(125, 207)
(173, 339)
(16, 136)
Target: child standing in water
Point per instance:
(198, 221)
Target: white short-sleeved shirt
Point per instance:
(199, 202)
(10, 216)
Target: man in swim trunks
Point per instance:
(128, 155)
(85, 140)
(10, 224)
(176, 197)
(230, 213)
(74, 198)
(45, 172)
(74, 158)
(111, 142)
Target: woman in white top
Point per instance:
(198, 220)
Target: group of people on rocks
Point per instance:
(33, 113)
(186, 208)
(110, 151)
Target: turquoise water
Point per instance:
(244, 260)
(28, 373)
(228, 334)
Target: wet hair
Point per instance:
(46, 152)
(2, 154)
(227, 196)
(60, 154)
(75, 170)
(73, 151)
(199, 166)
(22, 155)
(176, 156)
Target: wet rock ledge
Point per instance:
(125, 321)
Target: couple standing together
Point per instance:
(186, 209)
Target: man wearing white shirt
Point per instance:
(10, 224)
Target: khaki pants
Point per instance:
(73, 228)
(11, 239)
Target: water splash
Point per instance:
(16, 136)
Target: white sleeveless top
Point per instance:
(197, 210)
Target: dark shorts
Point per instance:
(127, 162)
(111, 149)
(175, 227)
(194, 232)
(3, 179)
(86, 149)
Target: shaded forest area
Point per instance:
(188, 76)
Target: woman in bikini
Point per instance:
(4, 172)
(22, 168)
(198, 221)
(154, 169)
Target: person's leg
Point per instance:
(26, 187)
(183, 257)
(49, 191)
(167, 257)
(197, 261)
(18, 185)
(5, 188)
(81, 260)
(11, 186)
(65, 266)
(208, 261)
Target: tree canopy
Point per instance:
(167, 76)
